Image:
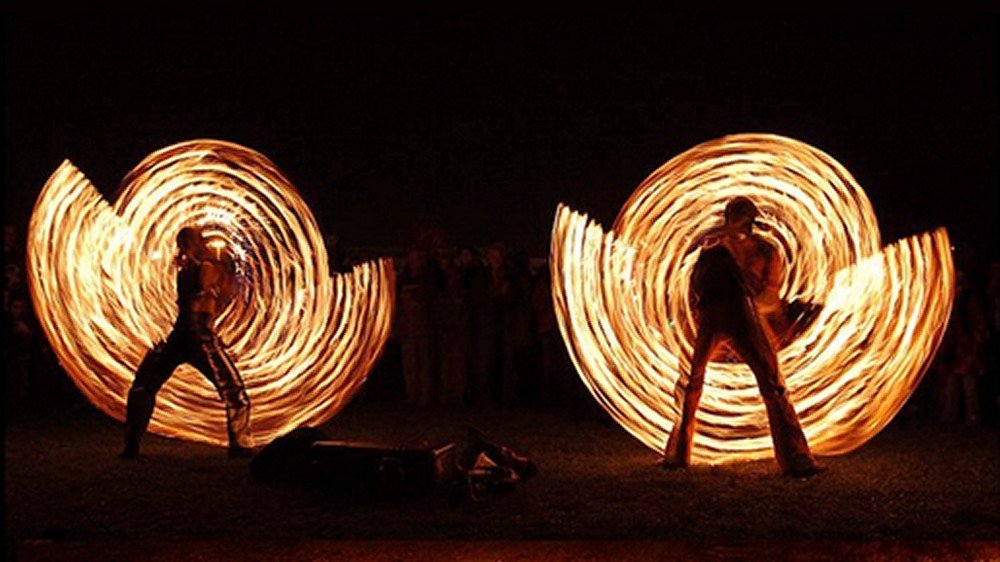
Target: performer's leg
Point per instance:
(155, 368)
(791, 449)
(216, 364)
(677, 452)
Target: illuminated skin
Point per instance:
(103, 284)
(763, 270)
(621, 298)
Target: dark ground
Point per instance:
(918, 490)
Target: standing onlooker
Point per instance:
(520, 385)
(475, 283)
(452, 322)
(18, 338)
(13, 283)
(498, 338)
(13, 249)
(18, 325)
(416, 338)
(991, 383)
(488, 299)
(13, 266)
(963, 363)
(336, 255)
(551, 366)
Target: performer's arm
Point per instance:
(769, 298)
(209, 276)
(226, 283)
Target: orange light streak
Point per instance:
(621, 298)
(103, 283)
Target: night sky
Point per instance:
(481, 125)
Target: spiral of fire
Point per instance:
(102, 279)
(621, 299)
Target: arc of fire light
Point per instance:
(103, 284)
(621, 299)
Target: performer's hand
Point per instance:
(769, 301)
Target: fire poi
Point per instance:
(102, 280)
(877, 313)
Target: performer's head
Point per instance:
(740, 214)
(189, 241)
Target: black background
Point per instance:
(482, 124)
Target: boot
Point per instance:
(138, 410)
(501, 454)
(238, 427)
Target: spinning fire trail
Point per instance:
(621, 298)
(102, 281)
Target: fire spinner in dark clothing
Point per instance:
(204, 284)
(726, 309)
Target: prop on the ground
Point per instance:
(481, 470)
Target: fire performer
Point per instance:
(205, 283)
(728, 300)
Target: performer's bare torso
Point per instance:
(204, 285)
(763, 273)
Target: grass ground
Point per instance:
(925, 487)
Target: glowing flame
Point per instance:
(622, 299)
(103, 283)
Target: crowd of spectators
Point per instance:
(476, 327)
(33, 380)
(962, 384)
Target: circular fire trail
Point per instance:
(103, 284)
(621, 298)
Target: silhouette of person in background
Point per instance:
(963, 361)
(727, 308)
(18, 335)
(498, 345)
(451, 317)
(415, 316)
(205, 284)
(339, 262)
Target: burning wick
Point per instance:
(217, 245)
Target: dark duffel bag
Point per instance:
(387, 469)
(287, 457)
(309, 456)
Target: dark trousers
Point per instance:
(739, 322)
(202, 349)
